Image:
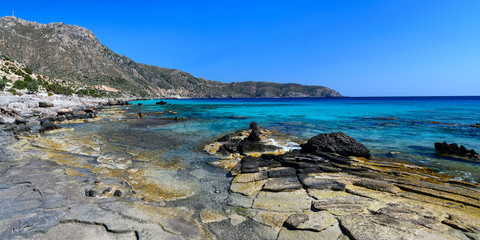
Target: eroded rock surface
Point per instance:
(310, 194)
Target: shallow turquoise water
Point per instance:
(406, 126)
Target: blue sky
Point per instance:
(359, 48)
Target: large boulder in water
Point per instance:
(336, 142)
(457, 151)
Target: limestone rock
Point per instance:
(282, 184)
(45, 104)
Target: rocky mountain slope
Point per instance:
(74, 56)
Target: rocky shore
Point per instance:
(331, 189)
(98, 182)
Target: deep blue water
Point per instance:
(405, 126)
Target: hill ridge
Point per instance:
(74, 55)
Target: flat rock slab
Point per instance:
(314, 221)
(282, 184)
(319, 182)
(250, 177)
(247, 188)
(382, 186)
(282, 172)
(333, 232)
(294, 201)
(345, 203)
(383, 227)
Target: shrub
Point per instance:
(57, 89)
(19, 84)
(27, 78)
(13, 91)
(5, 78)
(32, 86)
(3, 83)
(28, 70)
(50, 94)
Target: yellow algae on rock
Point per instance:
(272, 219)
(212, 148)
(72, 173)
(227, 164)
(247, 188)
(208, 216)
(294, 201)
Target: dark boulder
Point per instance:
(139, 104)
(91, 193)
(227, 148)
(45, 104)
(457, 151)
(47, 125)
(336, 142)
(161, 103)
(2, 121)
(118, 193)
(20, 120)
(255, 164)
(247, 146)
(255, 134)
(21, 128)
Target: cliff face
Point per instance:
(73, 54)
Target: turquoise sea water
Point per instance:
(404, 128)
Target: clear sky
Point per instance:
(359, 48)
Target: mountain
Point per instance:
(74, 56)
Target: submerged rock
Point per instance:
(47, 125)
(454, 150)
(336, 142)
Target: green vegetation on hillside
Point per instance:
(59, 89)
(3, 83)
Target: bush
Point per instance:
(50, 94)
(57, 89)
(13, 91)
(32, 86)
(19, 84)
(28, 70)
(3, 83)
(27, 78)
(91, 92)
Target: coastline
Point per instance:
(64, 195)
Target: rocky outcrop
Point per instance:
(336, 142)
(47, 125)
(255, 134)
(45, 104)
(313, 194)
(454, 150)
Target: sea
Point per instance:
(400, 128)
